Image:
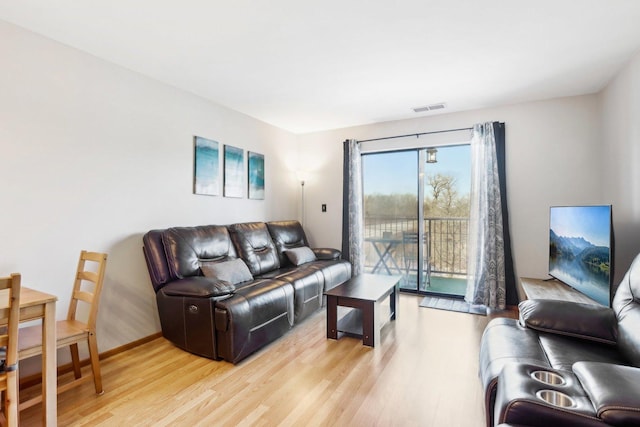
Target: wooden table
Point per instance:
(364, 292)
(36, 305)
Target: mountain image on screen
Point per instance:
(594, 258)
(574, 258)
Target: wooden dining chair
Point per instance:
(10, 316)
(71, 331)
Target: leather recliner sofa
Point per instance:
(593, 350)
(224, 292)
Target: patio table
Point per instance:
(384, 248)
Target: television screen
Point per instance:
(581, 247)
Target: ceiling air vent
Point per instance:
(431, 107)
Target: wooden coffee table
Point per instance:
(365, 292)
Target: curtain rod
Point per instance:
(417, 135)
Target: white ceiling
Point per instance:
(307, 66)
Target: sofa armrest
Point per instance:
(327, 254)
(614, 391)
(578, 320)
(199, 286)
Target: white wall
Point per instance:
(553, 158)
(620, 155)
(93, 156)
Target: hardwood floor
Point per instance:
(424, 373)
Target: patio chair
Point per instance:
(410, 255)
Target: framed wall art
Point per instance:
(206, 173)
(255, 176)
(233, 171)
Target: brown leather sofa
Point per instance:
(593, 351)
(224, 292)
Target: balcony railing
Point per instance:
(445, 244)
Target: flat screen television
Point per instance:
(581, 249)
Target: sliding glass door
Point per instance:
(390, 182)
(416, 208)
(446, 186)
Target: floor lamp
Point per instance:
(302, 177)
(302, 185)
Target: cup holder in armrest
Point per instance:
(556, 398)
(548, 377)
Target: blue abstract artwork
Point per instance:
(256, 176)
(233, 171)
(207, 167)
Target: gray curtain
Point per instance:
(352, 201)
(486, 246)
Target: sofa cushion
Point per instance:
(562, 352)
(335, 272)
(301, 255)
(233, 271)
(614, 391)
(585, 321)
(286, 235)
(254, 245)
(186, 247)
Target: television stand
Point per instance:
(549, 289)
